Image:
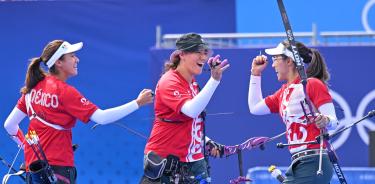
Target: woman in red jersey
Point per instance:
(287, 102)
(54, 106)
(178, 126)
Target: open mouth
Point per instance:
(200, 64)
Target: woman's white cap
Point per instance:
(280, 50)
(64, 48)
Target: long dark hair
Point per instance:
(317, 67)
(35, 73)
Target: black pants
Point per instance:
(197, 169)
(303, 171)
(64, 175)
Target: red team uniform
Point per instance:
(60, 104)
(173, 132)
(286, 102)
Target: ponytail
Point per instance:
(174, 61)
(34, 75)
(317, 67)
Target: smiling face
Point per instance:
(192, 62)
(67, 66)
(281, 66)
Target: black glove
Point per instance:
(212, 145)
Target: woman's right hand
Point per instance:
(217, 66)
(258, 65)
(146, 96)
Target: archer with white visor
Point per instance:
(53, 107)
(287, 102)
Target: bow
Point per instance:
(249, 144)
(10, 166)
(16, 173)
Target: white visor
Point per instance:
(64, 48)
(279, 50)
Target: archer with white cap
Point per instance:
(53, 107)
(289, 101)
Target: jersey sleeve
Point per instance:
(318, 92)
(77, 105)
(174, 95)
(273, 101)
(21, 104)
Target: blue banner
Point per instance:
(333, 15)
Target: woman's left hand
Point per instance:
(321, 121)
(217, 67)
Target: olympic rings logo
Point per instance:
(348, 119)
(365, 13)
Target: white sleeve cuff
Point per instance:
(114, 114)
(195, 106)
(254, 78)
(328, 110)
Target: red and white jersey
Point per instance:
(287, 102)
(183, 136)
(57, 103)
